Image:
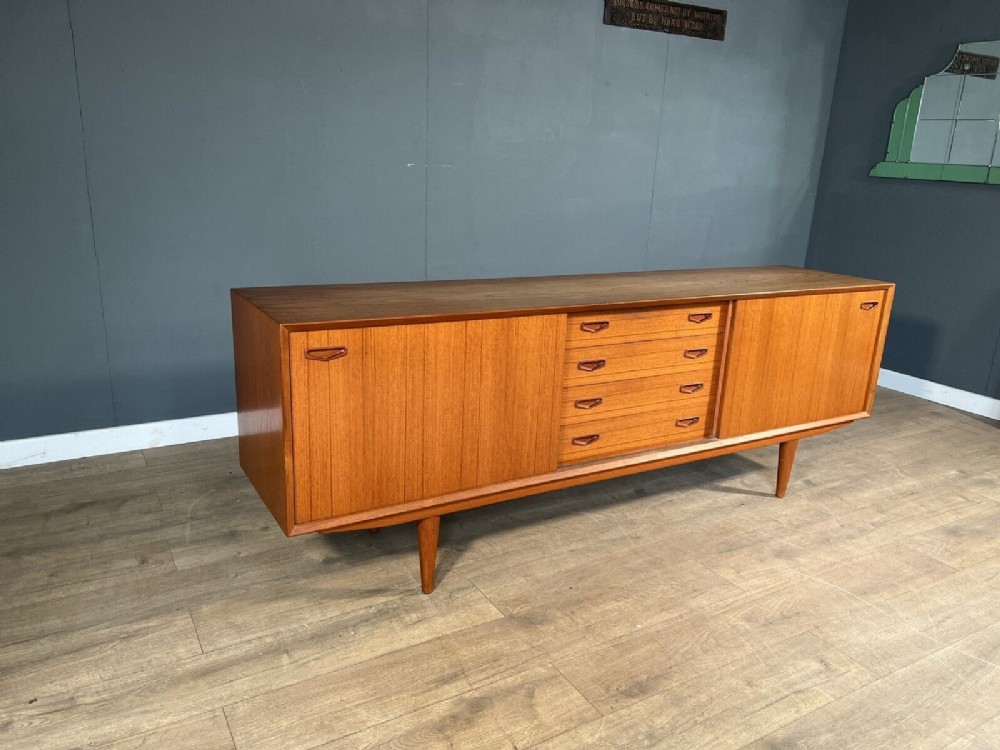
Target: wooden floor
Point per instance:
(148, 600)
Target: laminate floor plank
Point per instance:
(970, 742)
(928, 704)
(73, 567)
(727, 707)
(149, 600)
(144, 701)
(208, 731)
(964, 542)
(622, 672)
(878, 640)
(138, 523)
(66, 662)
(575, 617)
(516, 712)
(75, 469)
(342, 702)
(954, 607)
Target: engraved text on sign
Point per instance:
(671, 18)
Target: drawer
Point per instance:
(582, 403)
(609, 362)
(585, 329)
(674, 424)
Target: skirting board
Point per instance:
(984, 406)
(48, 448)
(73, 445)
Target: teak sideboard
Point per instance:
(368, 405)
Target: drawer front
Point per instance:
(673, 424)
(584, 403)
(586, 329)
(609, 362)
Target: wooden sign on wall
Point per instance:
(668, 17)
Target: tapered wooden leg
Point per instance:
(786, 456)
(427, 540)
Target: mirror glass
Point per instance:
(949, 127)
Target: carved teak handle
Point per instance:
(699, 317)
(586, 439)
(327, 354)
(695, 353)
(689, 422)
(869, 305)
(595, 327)
(591, 364)
(588, 403)
(692, 387)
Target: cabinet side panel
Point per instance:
(800, 359)
(259, 360)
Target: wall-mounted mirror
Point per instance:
(948, 129)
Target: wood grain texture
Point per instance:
(570, 476)
(427, 538)
(635, 359)
(801, 359)
(515, 388)
(586, 329)
(519, 711)
(422, 410)
(662, 425)
(260, 348)
(453, 410)
(208, 731)
(786, 457)
(635, 394)
(690, 607)
(324, 306)
(883, 329)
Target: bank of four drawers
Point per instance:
(639, 379)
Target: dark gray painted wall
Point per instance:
(53, 359)
(250, 143)
(937, 241)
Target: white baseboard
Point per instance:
(48, 448)
(984, 406)
(72, 445)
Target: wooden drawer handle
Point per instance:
(695, 353)
(591, 364)
(699, 317)
(595, 327)
(869, 305)
(689, 422)
(692, 387)
(327, 354)
(588, 403)
(586, 439)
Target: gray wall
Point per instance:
(221, 144)
(937, 241)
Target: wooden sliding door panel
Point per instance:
(438, 387)
(391, 414)
(386, 406)
(800, 359)
(516, 388)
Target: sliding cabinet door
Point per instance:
(794, 360)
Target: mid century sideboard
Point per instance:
(368, 405)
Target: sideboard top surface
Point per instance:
(305, 307)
